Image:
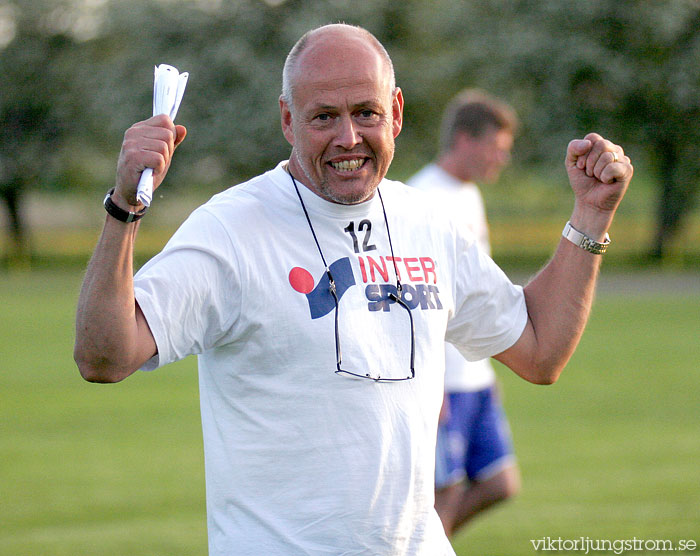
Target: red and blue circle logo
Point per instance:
(319, 296)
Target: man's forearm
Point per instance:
(559, 301)
(109, 343)
(112, 336)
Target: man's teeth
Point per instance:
(348, 165)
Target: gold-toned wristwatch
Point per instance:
(586, 243)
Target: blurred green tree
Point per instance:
(33, 118)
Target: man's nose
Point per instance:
(348, 135)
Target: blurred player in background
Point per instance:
(475, 467)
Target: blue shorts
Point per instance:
(475, 442)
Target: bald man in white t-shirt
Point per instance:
(310, 449)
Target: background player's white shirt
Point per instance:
(300, 460)
(465, 201)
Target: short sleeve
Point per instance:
(190, 292)
(490, 312)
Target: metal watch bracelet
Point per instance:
(579, 239)
(119, 213)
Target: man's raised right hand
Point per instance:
(147, 144)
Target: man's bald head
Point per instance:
(330, 33)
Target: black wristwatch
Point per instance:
(119, 213)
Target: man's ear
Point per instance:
(464, 140)
(287, 124)
(397, 112)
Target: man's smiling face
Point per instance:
(344, 117)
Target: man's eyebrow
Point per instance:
(324, 107)
(371, 103)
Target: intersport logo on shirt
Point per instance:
(320, 299)
(418, 277)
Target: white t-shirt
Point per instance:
(464, 202)
(300, 460)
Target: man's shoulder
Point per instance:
(403, 192)
(426, 177)
(417, 205)
(250, 205)
(259, 191)
(432, 177)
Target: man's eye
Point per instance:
(323, 117)
(367, 113)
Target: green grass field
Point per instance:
(609, 452)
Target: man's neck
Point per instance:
(452, 167)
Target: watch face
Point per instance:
(584, 242)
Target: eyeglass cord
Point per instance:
(396, 298)
(318, 245)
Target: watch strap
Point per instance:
(119, 213)
(579, 239)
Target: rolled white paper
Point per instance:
(168, 88)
